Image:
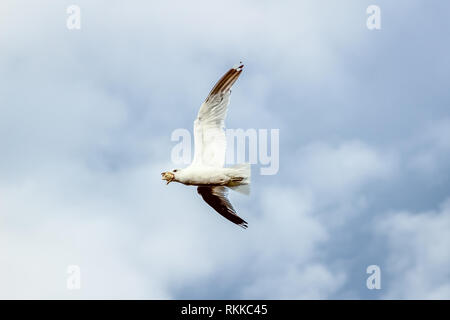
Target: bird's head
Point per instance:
(169, 176)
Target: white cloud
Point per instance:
(418, 255)
(430, 148)
(344, 168)
(288, 237)
(314, 281)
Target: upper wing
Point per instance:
(216, 197)
(209, 135)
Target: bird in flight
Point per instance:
(207, 170)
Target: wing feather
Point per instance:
(216, 197)
(209, 134)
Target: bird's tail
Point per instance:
(241, 178)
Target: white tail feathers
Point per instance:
(242, 176)
(244, 189)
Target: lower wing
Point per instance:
(216, 197)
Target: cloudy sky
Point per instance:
(86, 118)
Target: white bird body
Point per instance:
(207, 169)
(212, 176)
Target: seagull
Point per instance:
(207, 170)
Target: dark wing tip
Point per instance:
(226, 82)
(239, 66)
(244, 225)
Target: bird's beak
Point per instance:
(168, 176)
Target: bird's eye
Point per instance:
(175, 170)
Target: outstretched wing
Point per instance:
(209, 135)
(216, 197)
